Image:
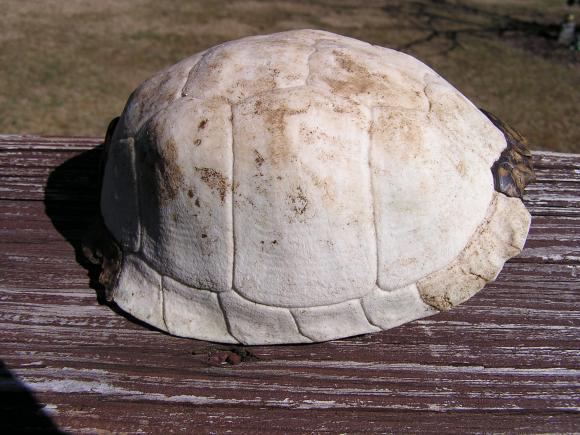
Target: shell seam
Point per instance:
(177, 96)
(360, 301)
(314, 50)
(135, 135)
(226, 319)
(137, 195)
(266, 93)
(236, 291)
(162, 295)
(491, 210)
(441, 126)
(298, 326)
(141, 228)
(372, 191)
(233, 197)
(152, 267)
(426, 85)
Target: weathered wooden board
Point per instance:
(506, 361)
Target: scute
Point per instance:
(239, 70)
(194, 312)
(325, 322)
(139, 292)
(155, 94)
(387, 309)
(366, 77)
(418, 172)
(301, 187)
(184, 166)
(301, 171)
(256, 323)
(461, 122)
(120, 195)
(500, 236)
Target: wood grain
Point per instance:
(508, 360)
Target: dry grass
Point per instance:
(68, 66)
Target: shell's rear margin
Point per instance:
(499, 237)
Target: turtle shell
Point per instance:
(301, 187)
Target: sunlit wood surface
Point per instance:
(507, 360)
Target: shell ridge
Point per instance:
(246, 298)
(334, 321)
(189, 310)
(194, 69)
(114, 289)
(140, 297)
(271, 317)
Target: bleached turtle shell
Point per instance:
(301, 187)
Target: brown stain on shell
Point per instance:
(258, 158)
(163, 170)
(360, 81)
(170, 175)
(298, 201)
(279, 153)
(215, 181)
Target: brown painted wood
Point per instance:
(508, 360)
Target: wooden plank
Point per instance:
(508, 359)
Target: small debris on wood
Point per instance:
(233, 356)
